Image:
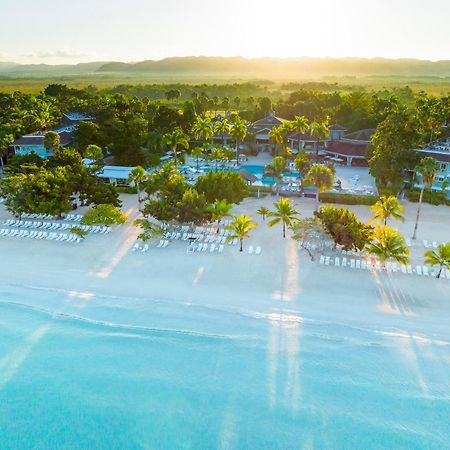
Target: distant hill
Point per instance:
(23, 70)
(297, 67)
(219, 67)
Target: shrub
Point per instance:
(433, 198)
(348, 199)
(126, 190)
(104, 215)
(229, 186)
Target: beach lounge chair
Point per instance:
(435, 244)
(135, 247)
(409, 269)
(327, 260)
(419, 270)
(377, 265)
(250, 250)
(258, 250)
(344, 262)
(322, 259)
(235, 241)
(403, 268)
(337, 261)
(426, 244)
(358, 264)
(352, 263)
(165, 244)
(447, 274)
(425, 270)
(389, 266)
(145, 248)
(212, 248)
(221, 247)
(161, 242)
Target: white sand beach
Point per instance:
(281, 287)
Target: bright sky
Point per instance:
(55, 31)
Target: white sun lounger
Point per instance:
(327, 260)
(352, 263)
(344, 262)
(221, 247)
(250, 250)
(425, 270)
(322, 259)
(165, 244)
(161, 242)
(205, 247)
(426, 244)
(409, 269)
(419, 270)
(435, 245)
(358, 264)
(212, 248)
(145, 248)
(337, 261)
(258, 250)
(403, 268)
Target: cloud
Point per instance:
(64, 54)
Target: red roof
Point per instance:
(348, 149)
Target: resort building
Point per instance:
(261, 129)
(34, 143)
(440, 151)
(350, 149)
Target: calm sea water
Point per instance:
(83, 372)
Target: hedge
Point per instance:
(433, 198)
(348, 199)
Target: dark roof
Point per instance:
(337, 127)
(66, 138)
(347, 149)
(361, 135)
(247, 176)
(270, 121)
(295, 136)
(442, 157)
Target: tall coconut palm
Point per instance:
(275, 169)
(302, 163)
(216, 155)
(240, 228)
(276, 136)
(263, 212)
(301, 125)
(197, 153)
(387, 243)
(319, 130)
(385, 208)
(427, 168)
(440, 258)
(177, 140)
(284, 213)
(203, 129)
(222, 127)
(138, 176)
(218, 210)
(322, 178)
(238, 132)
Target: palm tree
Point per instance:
(276, 135)
(138, 176)
(263, 211)
(320, 131)
(322, 178)
(440, 258)
(222, 127)
(301, 125)
(238, 132)
(302, 163)
(175, 140)
(284, 212)
(385, 208)
(197, 152)
(275, 169)
(203, 129)
(388, 243)
(52, 141)
(427, 168)
(218, 210)
(216, 155)
(240, 228)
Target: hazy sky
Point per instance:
(58, 31)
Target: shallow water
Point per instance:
(83, 371)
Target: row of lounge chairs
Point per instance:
(68, 217)
(163, 243)
(362, 264)
(199, 237)
(55, 226)
(61, 237)
(203, 247)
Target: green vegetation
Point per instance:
(347, 199)
(227, 186)
(284, 213)
(385, 208)
(322, 178)
(240, 228)
(388, 243)
(104, 214)
(432, 198)
(440, 258)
